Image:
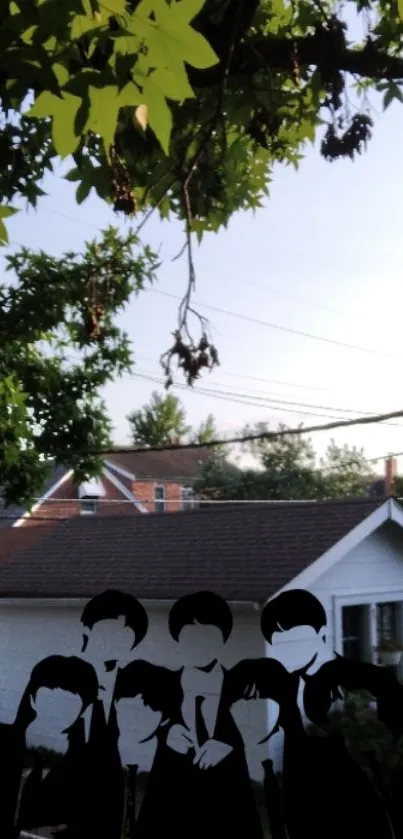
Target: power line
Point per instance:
(278, 326)
(249, 438)
(252, 283)
(252, 378)
(209, 270)
(258, 321)
(256, 401)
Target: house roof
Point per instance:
(244, 553)
(17, 540)
(171, 465)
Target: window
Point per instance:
(159, 499)
(353, 631)
(188, 498)
(386, 621)
(89, 506)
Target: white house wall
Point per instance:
(30, 632)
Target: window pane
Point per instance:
(386, 621)
(352, 628)
(88, 505)
(159, 499)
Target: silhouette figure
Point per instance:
(49, 800)
(114, 624)
(199, 784)
(319, 768)
(267, 679)
(146, 698)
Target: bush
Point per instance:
(47, 757)
(368, 740)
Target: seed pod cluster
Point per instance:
(191, 358)
(122, 188)
(352, 141)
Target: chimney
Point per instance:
(390, 475)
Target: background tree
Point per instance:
(59, 345)
(163, 421)
(206, 432)
(160, 423)
(286, 470)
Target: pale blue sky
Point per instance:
(329, 236)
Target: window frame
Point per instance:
(370, 600)
(159, 501)
(86, 499)
(188, 503)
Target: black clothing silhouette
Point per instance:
(326, 792)
(85, 789)
(184, 799)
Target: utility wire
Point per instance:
(250, 319)
(278, 326)
(249, 438)
(225, 373)
(260, 401)
(216, 273)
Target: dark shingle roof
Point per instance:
(243, 552)
(175, 464)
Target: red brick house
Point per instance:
(131, 483)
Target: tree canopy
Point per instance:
(59, 345)
(184, 106)
(287, 468)
(163, 421)
(176, 106)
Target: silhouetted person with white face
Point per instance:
(59, 690)
(114, 623)
(199, 786)
(320, 768)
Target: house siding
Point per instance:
(64, 503)
(144, 493)
(31, 632)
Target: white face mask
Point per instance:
(109, 640)
(55, 709)
(295, 648)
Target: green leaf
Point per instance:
(5, 212)
(172, 36)
(173, 85)
(63, 110)
(103, 115)
(400, 8)
(82, 192)
(73, 175)
(393, 92)
(159, 114)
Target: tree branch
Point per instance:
(319, 50)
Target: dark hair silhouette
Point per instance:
(66, 673)
(289, 609)
(201, 607)
(115, 604)
(158, 686)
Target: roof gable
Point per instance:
(389, 510)
(244, 552)
(174, 465)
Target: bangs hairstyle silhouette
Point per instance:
(112, 604)
(296, 607)
(71, 674)
(158, 686)
(201, 607)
